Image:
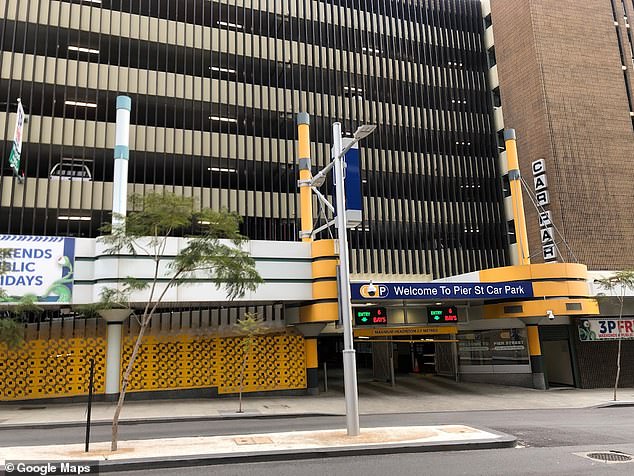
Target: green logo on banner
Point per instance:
(14, 160)
(16, 150)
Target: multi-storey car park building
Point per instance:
(215, 90)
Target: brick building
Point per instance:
(570, 100)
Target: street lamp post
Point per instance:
(349, 358)
(316, 181)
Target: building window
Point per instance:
(510, 232)
(497, 99)
(491, 57)
(500, 139)
(493, 347)
(487, 21)
(506, 186)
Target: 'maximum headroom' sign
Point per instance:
(511, 289)
(38, 265)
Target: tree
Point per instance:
(5, 255)
(11, 332)
(250, 326)
(12, 327)
(110, 298)
(146, 231)
(617, 285)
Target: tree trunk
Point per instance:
(126, 377)
(244, 364)
(145, 320)
(618, 366)
(618, 353)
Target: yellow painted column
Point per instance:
(325, 291)
(537, 360)
(516, 197)
(305, 192)
(312, 365)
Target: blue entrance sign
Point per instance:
(352, 180)
(354, 201)
(422, 291)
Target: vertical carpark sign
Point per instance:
(546, 227)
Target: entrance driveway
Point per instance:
(427, 393)
(412, 393)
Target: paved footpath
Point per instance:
(412, 393)
(290, 445)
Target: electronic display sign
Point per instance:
(439, 315)
(370, 316)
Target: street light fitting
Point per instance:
(318, 180)
(364, 131)
(361, 133)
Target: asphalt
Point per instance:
(412, 393)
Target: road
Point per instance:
(506, 462)
(549, 440)
(535, 428)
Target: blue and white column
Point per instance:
(121, 156)
(116, 317)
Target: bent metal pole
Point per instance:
(349, 358)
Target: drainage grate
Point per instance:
(253, 440)
(32, 408)
(610, 457)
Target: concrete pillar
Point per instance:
(113, 357)
(381, 361)
(114, 319)
(312, 366)
(537, 360)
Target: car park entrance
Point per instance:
(390, 351)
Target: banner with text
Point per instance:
(16, 150)
(434, 291)
(38, 265)
(606, 329)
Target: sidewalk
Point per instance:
(292, 445)
(412, 393)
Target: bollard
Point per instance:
(90, 387)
